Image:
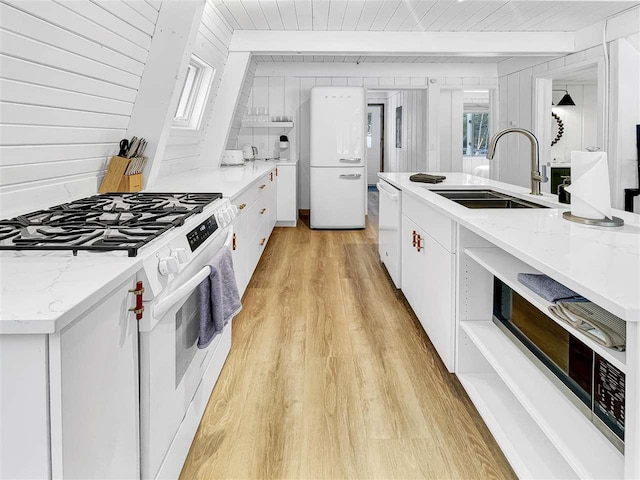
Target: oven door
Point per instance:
(171, 364)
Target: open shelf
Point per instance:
(249, 124)
(576, 439)
(506, 267)
(528, 449)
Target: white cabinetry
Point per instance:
(287, 210)
(428, 261)
(413, 265)
(24, 407)
(239, 246)
(257, 206)
(69, 400)
(94, 392)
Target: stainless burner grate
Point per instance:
(107, 222)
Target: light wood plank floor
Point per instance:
(331, 376)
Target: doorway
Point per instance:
(375, 141)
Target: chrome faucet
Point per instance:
(536, 178)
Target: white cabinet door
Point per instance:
(287, 195)
(412, 266)
(273, 200)
(240, 255)
(437, 304)
(94, 392)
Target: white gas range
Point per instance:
(173, 237)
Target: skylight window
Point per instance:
(195, 91)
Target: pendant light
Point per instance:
(566, 100)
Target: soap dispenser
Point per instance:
(563, 195)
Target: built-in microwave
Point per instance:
(594, 385)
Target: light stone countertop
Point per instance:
(601, 263)
(228, 180)
(41, 292)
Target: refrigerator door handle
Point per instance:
(350, 160)
(351, 175)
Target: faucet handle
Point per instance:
(543, 178)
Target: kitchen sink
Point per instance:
(485, 199)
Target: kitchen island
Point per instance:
(457, 252)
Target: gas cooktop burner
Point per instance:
(111, 221)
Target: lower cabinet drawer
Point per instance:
(258, 214)
(257, 246)
(439, 226)
(252, 194)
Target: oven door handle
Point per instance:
(178, 294)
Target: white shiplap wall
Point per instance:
(516, 109)
(450, 109)
(69, 78)
(289, 95)
(184, 147)
(411, 157)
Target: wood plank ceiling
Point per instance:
(377, 59)
(418, 15)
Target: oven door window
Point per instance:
(187, 333)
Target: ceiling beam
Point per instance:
(161, 84)
(402, 43)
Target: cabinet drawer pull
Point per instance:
(413, 242)
(242, 206)
(419, 246)
(262, 211)
(262, 186)
(234, 244)
(271, 176)
(276, 171)
(262, 240)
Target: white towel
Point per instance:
(590, 191)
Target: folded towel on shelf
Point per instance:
(427, 178)
(548, 288)
(594, 321)
(219, 297)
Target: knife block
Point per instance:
(115, 179)
(130, 183)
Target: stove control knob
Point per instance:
(168, 265)
(181, 254)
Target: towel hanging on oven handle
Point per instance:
(178, 294)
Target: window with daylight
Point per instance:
(194, 95)
(475, 133)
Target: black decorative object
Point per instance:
(399, 127)
(631, 193)
(566, 100)
(560, 130)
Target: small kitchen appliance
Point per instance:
(591, 382)
(389, 231)
(233, 157)
(249, 152)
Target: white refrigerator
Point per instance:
(338, 157)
